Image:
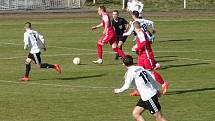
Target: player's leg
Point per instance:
(37, 58)
(138, 110)
(28, 61)
(117, 50)
(159, 117)
(99, 46)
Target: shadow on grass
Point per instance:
(191, 91)
(83, 77)
(177, 40)
(184, 65)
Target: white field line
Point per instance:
(94, 50)
(85, 87)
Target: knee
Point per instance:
(135, 114)
(28, 61)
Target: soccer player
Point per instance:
(109, 35)
(120, 25)
(31, 42)
(146, 56)
(135, 5)
(145, 25)
(145, 84)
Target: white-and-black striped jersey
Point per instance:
(142, 79)
(31, 41)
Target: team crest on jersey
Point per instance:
(120, 27)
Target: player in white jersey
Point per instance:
(145, 24)
(144, 82)
(135, 5)
(31, 41)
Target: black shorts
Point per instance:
(121, 38)
(152, 104)
(35, 57)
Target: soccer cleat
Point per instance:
(99, 61)
(25, 78)
(157, 66)
(165, 87)
(135, 93)
(57, 68)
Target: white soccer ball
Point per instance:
(76, 61)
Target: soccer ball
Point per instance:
(76, 61)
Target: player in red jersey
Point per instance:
(146, 56)
(109, 35)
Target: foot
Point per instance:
(165, 87)
(157, 66)
(25, 78)
(99, 61)
(135, 93)
(57, 68)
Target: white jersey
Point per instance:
(135, 6)
(32, 40)
(145, 24)
(142, 80)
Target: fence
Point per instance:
(40, 4)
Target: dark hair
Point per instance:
(28, 24)
(136, 14)
(116, 11)
(128, 60)
(102, 8)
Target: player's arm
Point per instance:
(95, 27)
(26, 41)
(127, 83)
(129, 32)
(151, 24)
(41, 38)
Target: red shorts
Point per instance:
(109, 37)
(147, 63)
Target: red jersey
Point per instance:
(106, 17)
(143, 44)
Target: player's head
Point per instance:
(137, 25)
(128, 60)
(28, 25)
(101, 10)
(135, 15)
(115, 14)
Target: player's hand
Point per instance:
(94, 27)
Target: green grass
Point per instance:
(184, 47)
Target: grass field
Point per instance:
(184, 46)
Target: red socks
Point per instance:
(99, 48)
(120, 52)
(158, 77)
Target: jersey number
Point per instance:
(144, 75)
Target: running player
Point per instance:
(31, 42)
(109, 35)
(145, 84)
(146, 56)
(120, 25)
